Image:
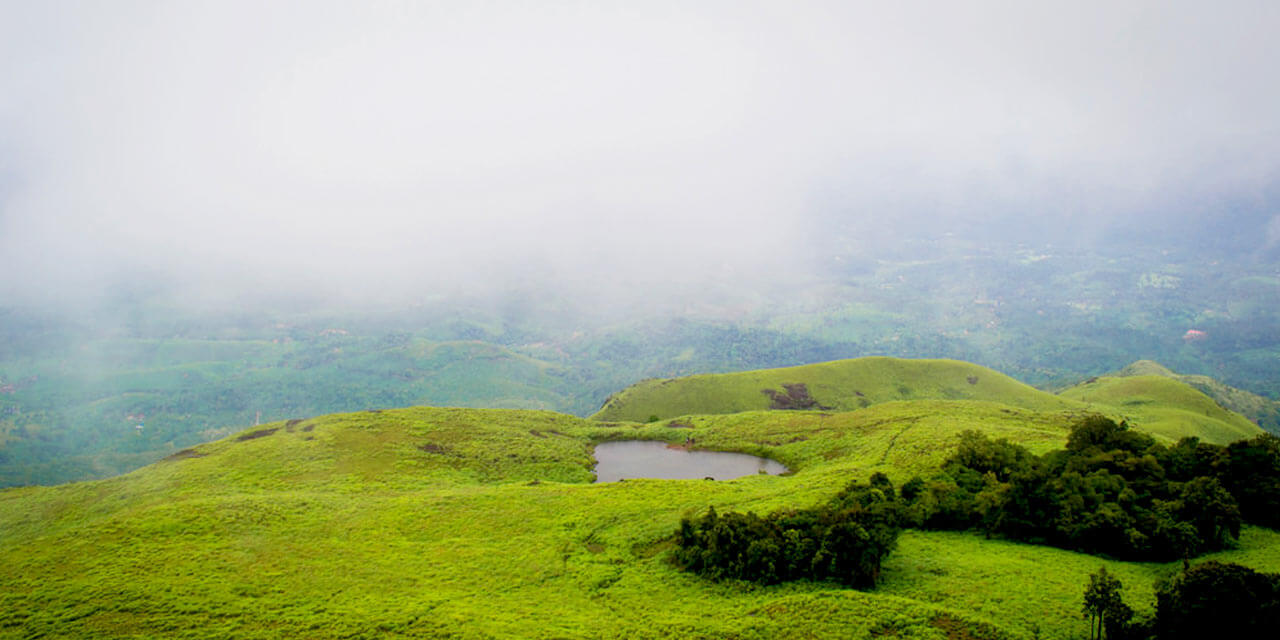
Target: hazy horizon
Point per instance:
(391, 151)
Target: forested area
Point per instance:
(1112, 490)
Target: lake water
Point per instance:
(647, 459)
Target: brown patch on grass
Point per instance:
(651, 549)
(537, 434)
(186, 453)
(796, 396)
(972, 379)
(676, 424)
(595, 547)
(885, 630)
(309, 438)
(260, 433)
(309, 427)
(954, 628)
(288, 426)
(432, 448)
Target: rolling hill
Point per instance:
(842, 385)
(479, 523)
(1163, 406)
(1263, 411)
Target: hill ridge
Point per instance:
(840, 385)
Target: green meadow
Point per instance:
(484, 523)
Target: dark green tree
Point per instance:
(1218, 600)
(1101, 600)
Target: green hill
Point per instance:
(1263, 411)
(1163, 406)
(472, 523)
(842, 385)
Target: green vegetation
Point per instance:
(1263, 411)
(430, 522)
(845, 540)
(1111, 490)
(1215, 599)
(1164, 406)
(1104, 606)
(1161, 406)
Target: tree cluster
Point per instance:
(1218, 600)
(844, 540)
(1113, 490)
(1104, 608)
(1209, 600)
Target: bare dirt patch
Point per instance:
(289, 426)
(972, 379)
(431, 447)
(186, 453)
(260, 433)
(796, 397)
(676, 424)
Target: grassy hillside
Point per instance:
(842, 385)
(1263, 411)
(1164, 406)
(76, 418)
(482, 523)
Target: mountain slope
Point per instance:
(1263, 411)
(1164, 406)
(842, 385)
(429, 522)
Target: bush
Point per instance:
(845, 540)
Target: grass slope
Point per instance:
(1164, 406)
(1263, 411)
(842, 385)
(482, 523)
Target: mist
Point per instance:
(614, 154)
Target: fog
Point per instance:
(612, 151)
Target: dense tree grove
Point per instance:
(1113, 490)
(844, 540)
(1218, 600)
(1209, 600)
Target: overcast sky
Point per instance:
(411, 146)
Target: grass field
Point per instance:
(1164, 406)
(470, 523)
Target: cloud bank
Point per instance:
(399, 148)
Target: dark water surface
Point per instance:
(647, 459)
